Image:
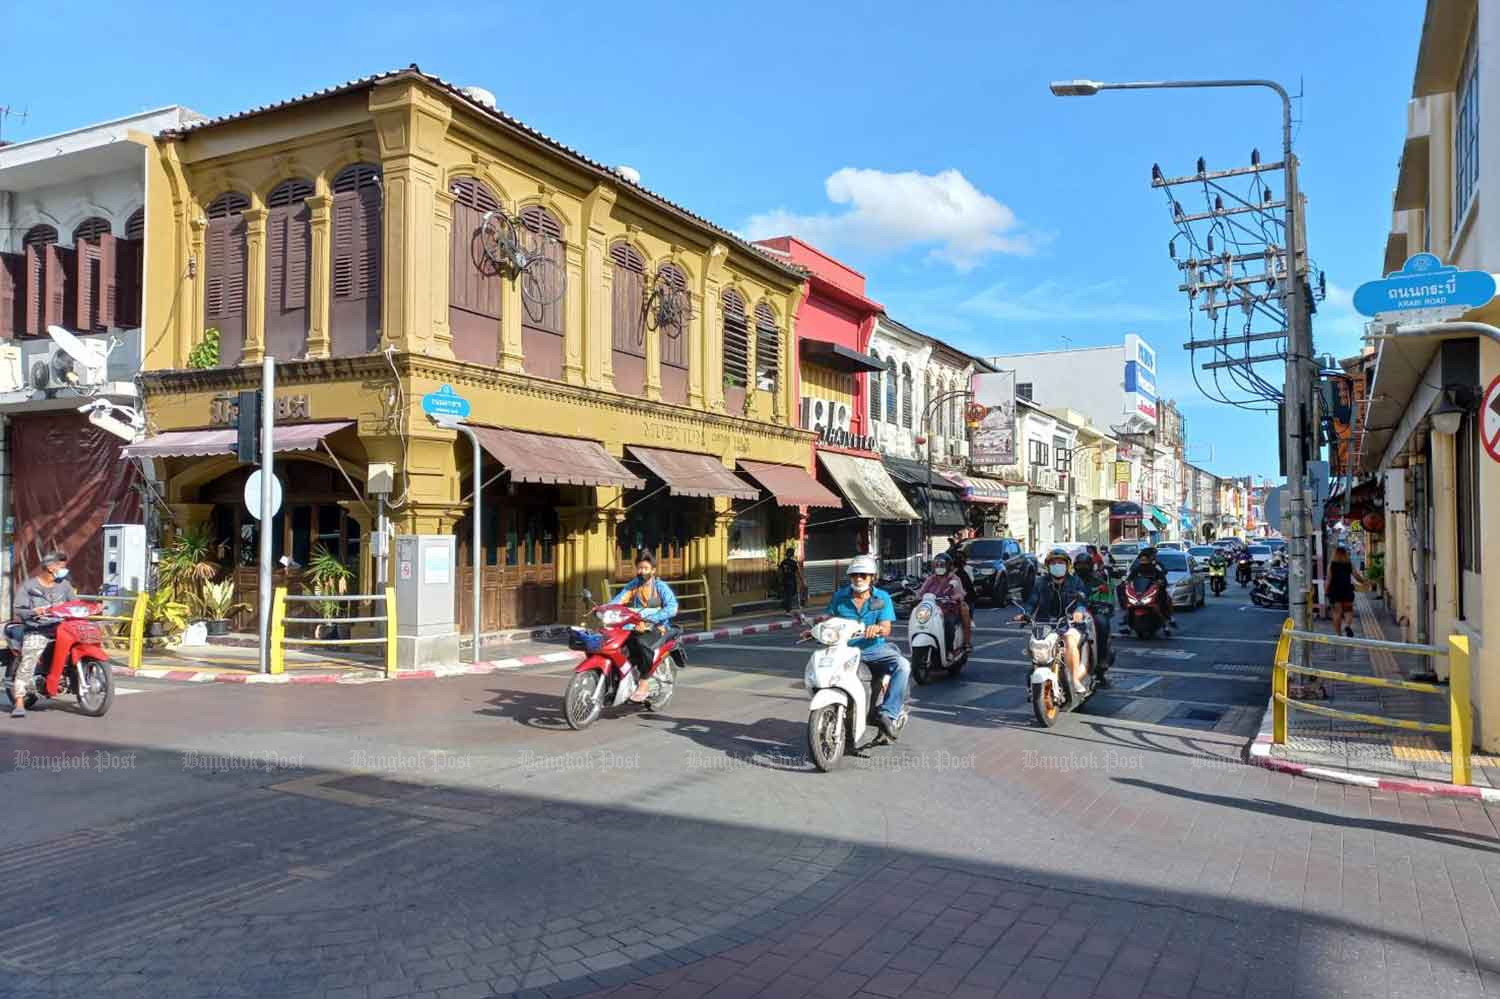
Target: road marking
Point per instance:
(1142, 685)
(1191, 676)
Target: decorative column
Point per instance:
(710, 330)
(716, 566)
(573, 316)
(255, 286)
(697, 341)
(511, 304)
(320, 284)
(191, 322)
(441, 263)
(591, 338)
(653, 364)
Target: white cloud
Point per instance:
(1052, 301)
(1337, 328)
(889, 211)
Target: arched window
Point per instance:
(224, 264)
(542, 318)
(130, 271)
(736, 350)
(873, 387)
(890, 390)
(767, 349)
(93, 277)
(355, 309)
(288, 256)
(628, 319)
(474, 281)
(906, 400)
(674, 337)
(39, 250)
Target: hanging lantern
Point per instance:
(1373, 522)
(974, 415)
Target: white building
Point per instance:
(1113, 386)
(72, 255)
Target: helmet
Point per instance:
(1148, 553)
(863, 565)
(1056, 554)
(1083, 561)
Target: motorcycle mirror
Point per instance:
(586, 596)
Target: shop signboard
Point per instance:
(995, 437)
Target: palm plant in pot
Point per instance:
(329, 578)
(217, 602)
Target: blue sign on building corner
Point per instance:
(445, 402)
(1423, 283)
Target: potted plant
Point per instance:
(165, 614)
(329, 577)
(218, 605)
(205, 354)
(186, 565)
(1375, 571)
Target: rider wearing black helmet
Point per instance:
(1146, 567)
(1087, 571)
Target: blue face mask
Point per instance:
(1057, 570)
(60, 574)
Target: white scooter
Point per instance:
(932, 635)
(842, 709)
(1053, 689)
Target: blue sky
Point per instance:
(917, 142)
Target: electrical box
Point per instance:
(1395, 490)
(124, 559)
(380, 478)
(426, 587)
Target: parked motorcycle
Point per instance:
(607, 676)
(1244, 569)
(843, 708)
(1271, 590)
(1143, 613)
(1216, 581)
(1053, 689)
(72, 662)
(903, 590)
(931, 635)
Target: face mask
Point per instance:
(1058, 570)
(860, 585)
(941, 570)
(60, 574)
(647, 572)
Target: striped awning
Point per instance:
(203, 443)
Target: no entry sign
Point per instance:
(1489, 426)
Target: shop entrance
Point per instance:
(663, 524)
(519, 589)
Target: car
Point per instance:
(1000, 568)
(1187, 585)
(1260, 555)
(1121, 554)
(1171, 546)
(1203, 554)
(1275, 544)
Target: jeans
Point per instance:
(885, 659)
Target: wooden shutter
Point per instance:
(628, 289)
(85, 285)
(12, 294)
(135, 226)
(736, 340)
(90, 229)
(225, 261)
(108, 304)
(767, 348)
(35, 244)
(129, 271)
(356, 260)
(59, 264)
(547, 231)
(674, 346)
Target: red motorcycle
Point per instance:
(1142, 609)
(72, 662)
(607, 676)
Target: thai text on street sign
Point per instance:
(1424, 284)
(1489, 424)
(445, 402)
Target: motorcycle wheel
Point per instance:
(581, 705)
(826, 736)
(663, 682)
(96, 687)
(1043, 705)
(921, 665)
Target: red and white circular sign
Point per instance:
(1489, 424)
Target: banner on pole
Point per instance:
(995, 437)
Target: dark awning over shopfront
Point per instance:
(867, 486)
(836, 357)
(981, 489)
(790, 485)
(914, 473)
(947, 511)
(1125, 511)
(203, 443)
(689, 474)
(555, 460)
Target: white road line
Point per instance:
(1190, 676)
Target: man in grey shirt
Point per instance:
(49, 586)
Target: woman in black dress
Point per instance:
(1341, 579)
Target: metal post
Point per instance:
(267, 449)
(478, 514)
(927, 514)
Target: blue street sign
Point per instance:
(1424, 283)
(445, 402)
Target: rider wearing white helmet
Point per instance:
(861, 601)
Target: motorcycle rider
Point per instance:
(1093, 580)
(961, 570)
(1146, 567)
(49, 586)
(862, 601)
(655, 602)
(944, 584)
(1054, 593)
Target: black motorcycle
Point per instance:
(1244, 570)
(1271, 590)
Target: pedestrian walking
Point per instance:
(792, 582)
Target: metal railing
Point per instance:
(692, 598)
(279, 621)
(1459, 729)
(133, 637)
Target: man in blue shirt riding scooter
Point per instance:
(861, 601)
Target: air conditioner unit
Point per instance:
(814, 413)
(12, 370)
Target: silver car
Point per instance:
(1189, 587)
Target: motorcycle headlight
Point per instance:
(924, 613)
(827, 633)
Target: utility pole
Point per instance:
(1298, 392)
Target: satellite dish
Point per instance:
(91, 357)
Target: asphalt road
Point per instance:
(454, 839)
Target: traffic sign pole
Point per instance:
(267, 449)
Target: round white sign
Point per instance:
(252, 494)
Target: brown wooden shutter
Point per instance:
(275, 261)
(85, 285)
(674, 343)
(767, 348)
(59, 263)
(108, 314)
(225, 261)
(356, 260)
(736, 340)
(12, 294)
(629, 289)
(547, 231)
(35, 244)
(129, 271)
(135, 226)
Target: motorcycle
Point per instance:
(1216, 579)
(607, 675)
(843, 707)
(903, 590)
(73, 660)
(931, 634)
(1244, 570)
(1271, 590)
(1047, 652)
(1143, 612)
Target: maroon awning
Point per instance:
(202, 443)
(790, 485)
(554, 460)
(692, 474)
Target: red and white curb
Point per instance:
(1260, 756)
(434, 673)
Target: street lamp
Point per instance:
(1298, 390)
(1072, 479)
(927, 411)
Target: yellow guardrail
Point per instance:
(692, 598)
(279, 621)
(133, 637)
(1460, 727)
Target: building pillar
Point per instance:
(653, 363)
(190, 321)
(586, 344)
(255, 286)
(708, 337)
(320, 285)
(573, 311)
(1444, 569)
(716, 557)
(512, 302)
